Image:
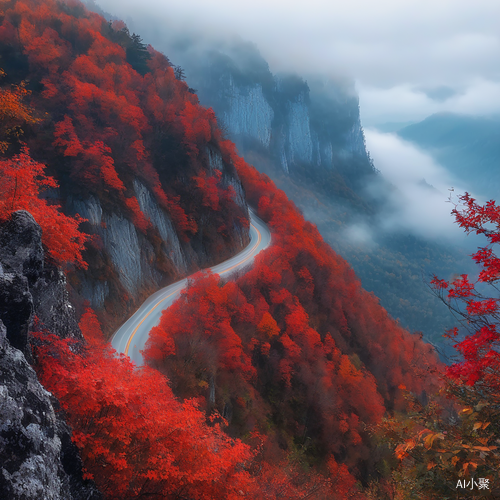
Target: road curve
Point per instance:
(131, 337)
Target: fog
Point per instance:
(423, 195)
(401, 53)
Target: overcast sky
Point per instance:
(409, 58)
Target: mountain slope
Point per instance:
(308, 138)
(273, 379)
(130, 147)
(307, 132)
(37, 456)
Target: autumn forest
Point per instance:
(286, 381)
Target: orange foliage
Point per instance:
(13, 113)
(268, 326)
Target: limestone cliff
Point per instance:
(307, 130)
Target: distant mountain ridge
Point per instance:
(468, 146)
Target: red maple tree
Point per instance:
(22, 180)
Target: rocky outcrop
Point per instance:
(131, 254)
(21, 244)
(29, 286)
(299, 142)
(161, 221)
(16, 310)
(37, 457)
(137, 262)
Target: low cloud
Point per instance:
(440, 93)
(418, 202)
(360, 235)
(400, 103)
(392, 49)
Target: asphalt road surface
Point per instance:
(131, 337)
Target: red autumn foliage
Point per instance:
(197, 331)
(477, 311)
(22, 180)
(295, 346)
(208, 188)
(314, 336)
(114, 120)
(91, 328)
(135, 438)
(137, 216)
(328, 290)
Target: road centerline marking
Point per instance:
(259, 239)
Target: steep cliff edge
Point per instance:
(301, 132)
(38, 458)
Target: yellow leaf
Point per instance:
(429, 440)
(477, 425)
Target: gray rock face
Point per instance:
(37, 458)
(249, 113)
(299, 132)
(52, 305)
(95, 292)
(303, 128)
(21, 243)
(215, 162)
(355, 139)
(121, 241)
(30, 286)
(16, 310)
(129, 251)
(161, 221)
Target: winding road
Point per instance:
(131, 337)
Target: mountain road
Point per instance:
(132, 336)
